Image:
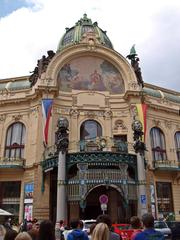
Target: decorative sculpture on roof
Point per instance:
(41, 67)
(84, 21)
(135, 64)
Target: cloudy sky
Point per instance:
(28, 28)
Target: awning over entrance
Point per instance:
(90, 157)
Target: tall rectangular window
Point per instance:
(15, 141)
(164, 197)
(177, 144)
(158, 144)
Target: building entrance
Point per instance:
(116, 206)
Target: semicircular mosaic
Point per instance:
(90, 73)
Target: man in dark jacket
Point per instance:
(149, 232)
(104, 218)
(77, 233)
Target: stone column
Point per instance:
(62, 143)
(142, 198)
(21, 206)
(139, 148)
(61, 210)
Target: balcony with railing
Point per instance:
(105, 144)
(172, 165)
(163, 162)
(12, 162)
(94, 150)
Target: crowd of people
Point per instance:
(142, 229)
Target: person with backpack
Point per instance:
(76, 233)
(149, 232)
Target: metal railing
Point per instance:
(10, 162)
(112, 145)
(107, 175)
(101, 144)
(166, 164)
(92, 145)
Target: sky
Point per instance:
(29, 28)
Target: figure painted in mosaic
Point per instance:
(96, 81)
(90, 73)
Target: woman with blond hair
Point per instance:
(101, 232)
(23, 236)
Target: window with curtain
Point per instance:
(158, 144)
(15, 140)
(177, 144)
(90, 129)
(164, 197)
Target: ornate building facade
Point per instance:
(98, 91)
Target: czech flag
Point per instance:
(142, 110)
(46, 113)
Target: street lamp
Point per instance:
(61, 142)
(61, 135)
(140, 147)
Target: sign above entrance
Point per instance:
(103, 199)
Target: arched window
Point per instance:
(158, 144)
(177, 144)
(15, 139)
(90, 129)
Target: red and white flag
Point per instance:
(46, 113)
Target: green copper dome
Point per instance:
(84, 25)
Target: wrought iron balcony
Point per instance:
(104, 144)
(167, 165)
(12, 162)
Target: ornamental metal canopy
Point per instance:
(95, 158)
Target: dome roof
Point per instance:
(75, 34)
